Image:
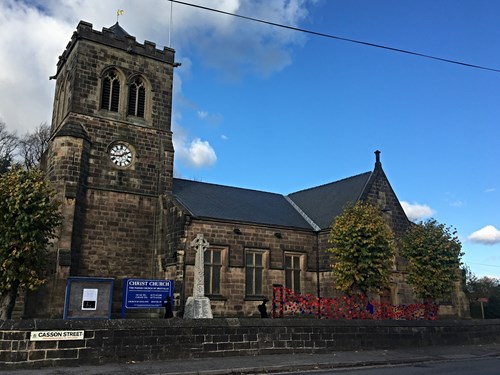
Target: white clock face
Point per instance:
(120, 155)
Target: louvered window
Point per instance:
(110, 92)
(136, 98)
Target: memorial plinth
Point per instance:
(198, 308)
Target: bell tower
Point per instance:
(110, 158)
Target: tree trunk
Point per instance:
(8, 301)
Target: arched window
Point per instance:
(62, 104)
(110, 92)
(136, 98)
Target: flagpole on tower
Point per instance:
(170, 24)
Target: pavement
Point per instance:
(277, 363)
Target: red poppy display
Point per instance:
(287, 303)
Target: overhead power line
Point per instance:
(485, 265)
(340, 38)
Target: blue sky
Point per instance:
(272, 109)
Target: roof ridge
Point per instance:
(303, 214)
(330, 183)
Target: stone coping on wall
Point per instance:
(48, 324)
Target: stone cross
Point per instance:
(201, 245)
(198, 306)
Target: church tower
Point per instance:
(110, 159)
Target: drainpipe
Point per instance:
(318, 286)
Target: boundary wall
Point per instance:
(107, 341)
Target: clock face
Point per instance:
(120, 155)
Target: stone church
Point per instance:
(110, 160)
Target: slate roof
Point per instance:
(321, 204)
(204, 200)
(324, 203)
(119, 31)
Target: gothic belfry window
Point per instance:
(110, 92)
(136, 98)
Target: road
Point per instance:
(443, 360)
(482, 366)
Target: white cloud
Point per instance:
(35, 32)
(202, 114)
(192, 153)
(490, 190)
(489, 235)
(456, 203)
(30, 45)
(224, 137)
(235, 47)
(208, 117)
(417, 211)
(199, 154)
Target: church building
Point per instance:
(110, 160)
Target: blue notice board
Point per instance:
(145, 294)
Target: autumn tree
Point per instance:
(433, 252)
(28, 219)
(362, 249)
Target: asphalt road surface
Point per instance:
(482, 366)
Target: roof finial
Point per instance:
(378, 164)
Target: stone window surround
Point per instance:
(302, 263)
(264, 268)
(123, 111)
(223, 273)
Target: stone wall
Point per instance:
(232, 300)
(107, 341)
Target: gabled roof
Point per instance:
(204, 200)
(324, 203)
(311, 209)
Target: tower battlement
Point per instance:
(115, 37)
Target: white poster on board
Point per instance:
(89, 299)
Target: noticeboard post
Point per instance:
(145, 294)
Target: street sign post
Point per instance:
(482, 300)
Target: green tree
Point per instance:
(28, 219)
(433, 252)
(362, 249)
(484, 287)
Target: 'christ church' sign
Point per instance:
(145, 294)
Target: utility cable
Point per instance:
(393, 49)
(482, 264)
